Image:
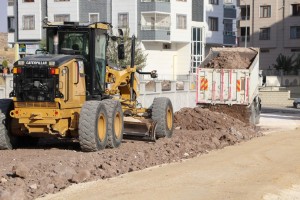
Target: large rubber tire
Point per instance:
(93, 126)
(258, 111)
(115, 122)
(162, 114)
(7, 141)
(252, 119)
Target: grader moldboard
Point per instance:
(70, 92)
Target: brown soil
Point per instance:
(230, 60)
(54, 164)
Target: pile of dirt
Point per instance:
(229, 60)
(55, 164)
(240, 112)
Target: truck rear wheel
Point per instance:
(162, 113)
(93, 126)
(115, 122)
(7, 141)
(252, 119)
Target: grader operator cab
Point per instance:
(70, 92)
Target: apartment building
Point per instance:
(220, 16)
(28, 16)
(3, 16)
(173, 41)
(273, 26)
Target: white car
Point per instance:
(296, 103)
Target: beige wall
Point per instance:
(279, 22)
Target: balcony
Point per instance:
(155, 26)
(230, 13)
(159, 35)
(155, 5)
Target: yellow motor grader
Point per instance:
(70, 91)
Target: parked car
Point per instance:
(296, 103)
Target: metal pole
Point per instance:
(246, 33)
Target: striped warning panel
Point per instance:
(204, 84)
(238, 85)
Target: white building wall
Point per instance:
(184, 8)
(214, 37)
(162, 60)
(125, 6)
(10, 10)
(27, 9)
(64, 7)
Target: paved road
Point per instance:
(263, 168)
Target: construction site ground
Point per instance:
(256, 169)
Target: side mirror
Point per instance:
(121, 51)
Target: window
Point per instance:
(265, 50)
(264, 34)
(213, 23)
(11, 24)
(28, 22)
(167, 46)
(62, 18)
(295, 50)
(11, 2)
(197, 48)
(265, 11)
(245, 34)
(296, 9)
(295, 32)
(181, 0)
(245, 12)
(123, 20)
(93, 17)
(215, 2)
(60, 0)
(181, 21)
(27, 1)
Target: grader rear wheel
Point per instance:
(162, 113)
(93, 126)
(115, 122)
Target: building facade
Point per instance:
(171, 33)
(28, 16)
(273, 26)
(3, 16)
(220, 16)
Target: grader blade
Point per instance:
(139, 130)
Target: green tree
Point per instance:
(140, 56)
(5, 64)
(284, 63)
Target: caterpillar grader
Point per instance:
(70, 91)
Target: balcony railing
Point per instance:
(245, 17)
(229, 33)
(243, 38)
(155, 0)
(164, 28)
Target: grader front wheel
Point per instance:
(162, 113)
(93, 126)
(115, 122)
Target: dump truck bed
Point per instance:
(228, 76)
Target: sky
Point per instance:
(3, 15)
